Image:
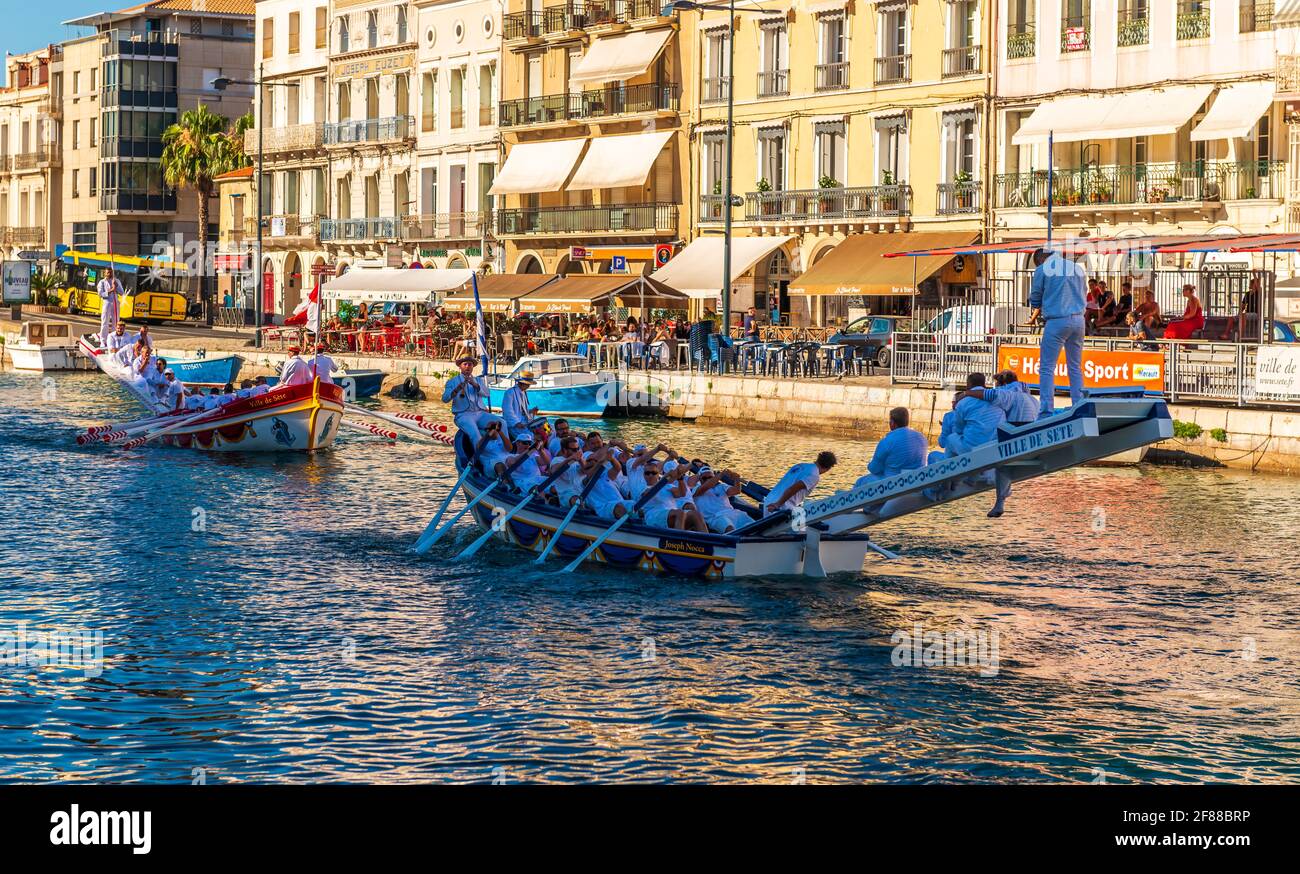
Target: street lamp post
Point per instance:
(221, 83)
(727, 192)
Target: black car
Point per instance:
(872, 337)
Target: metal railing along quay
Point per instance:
(1191, 369)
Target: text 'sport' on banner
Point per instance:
(1101, 369)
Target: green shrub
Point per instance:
(1187, 430)
(1219, 434)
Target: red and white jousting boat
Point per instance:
(302, 417)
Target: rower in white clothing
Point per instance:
(322, 365)
(173, 393)
(295, 370)
(798, 481)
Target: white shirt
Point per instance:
(295, 372)
(713, 501)
(604, 491)
(324, 366)
(569, 483)
(806, 473)
(106, 289)
(171, 391)
(117, 341)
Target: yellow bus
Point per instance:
(149, 283)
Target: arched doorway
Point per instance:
(565, 266)
(292, 282)
(529, 264)
(457, 262)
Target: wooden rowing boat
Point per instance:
(828, 535)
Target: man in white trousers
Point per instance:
(110, 293)
(1059, 293)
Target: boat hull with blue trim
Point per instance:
(355, 383)
(565, 386)
(208, 371)
(828, 536)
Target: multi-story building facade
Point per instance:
(593, 118)
(126, 83)
(851, 119)
(292, 61)
(1286, 24)
(30, 152)
(1163, 118)
(370, 135)
(457, 145)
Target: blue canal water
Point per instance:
(1146, 626)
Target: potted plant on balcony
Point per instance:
(889, 197)
(715, 206)
(965, 194)
(768, 206)
(826, 203)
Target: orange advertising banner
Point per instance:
(1101, 369)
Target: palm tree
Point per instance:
(197, 149)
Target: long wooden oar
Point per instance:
(618, 523)
(95, 432)
(573, 511)
(403, 421)
(368, 428)
(446, 502)
(424, 545)
(153, 435)
(500, 523)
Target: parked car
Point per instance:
(973, 323)
(1286, 332)
(871, 336)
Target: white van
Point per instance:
(973, 323)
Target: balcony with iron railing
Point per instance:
(836, 203)
(891, 69)
(715, 89)
(1192, 20)
(964, 61)
(521, 25)
(360, 230)
(1159, 185)
(292, 138)
(626, 218)
(444, 226)
(6, 164)
(26, 236)
(289, 228)
(1286, 73)
(831, 77)
(1022, 41)
(135, 43)
(711, 207)
(1133, 27)
(1075, 36)
(43, 157)
(369, 131)
(563, 18)
(959, 198)
(1255, 16)
(594, 103)
(773, 83)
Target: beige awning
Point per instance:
(1144, 113)
(696, 271)
(619, 58)
(1235, 111)
(498, 292)
(585, 293)
(618, 162)
(535, 167)
(858, 266)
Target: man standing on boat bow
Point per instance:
(110, 293)
(468, 396)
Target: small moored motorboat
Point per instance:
(217, 371)
(565, 385)
(44, 346)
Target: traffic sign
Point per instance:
(618, 264)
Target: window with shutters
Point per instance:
(321, 29)
(268, 37)
(295, 34)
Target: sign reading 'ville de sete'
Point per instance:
(1277, 371)
(1101, 369)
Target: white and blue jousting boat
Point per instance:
(566, 386)
(828, 535)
